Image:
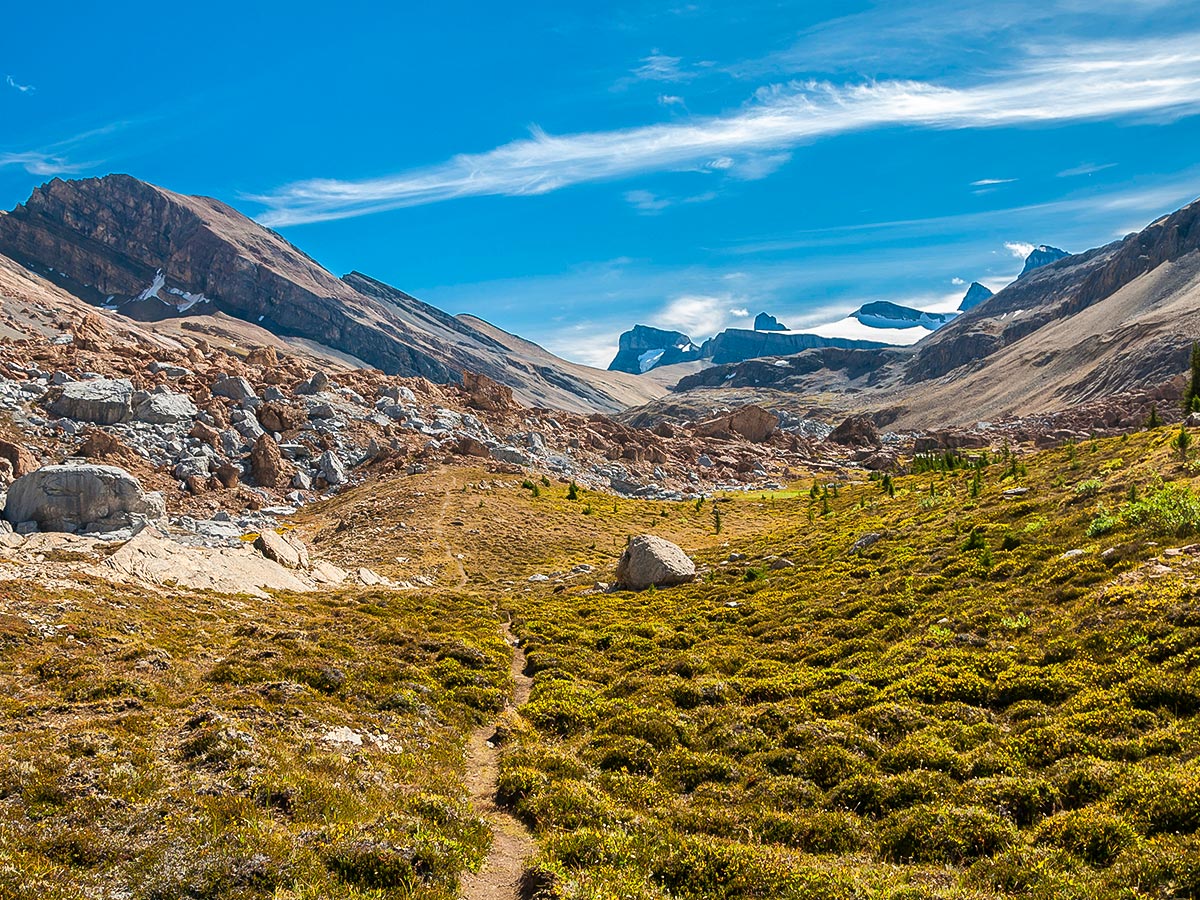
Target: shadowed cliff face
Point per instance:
(117, 235)
(154, 254)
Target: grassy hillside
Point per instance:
(986, 701)
(995, 696)
(185, 746)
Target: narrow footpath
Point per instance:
(512, 844)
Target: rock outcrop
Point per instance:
(650, 560)
(976, 294)
(855, 431)
(267, 466)
(1042, 255)
(751, 422)
(283, 549)
(81, 498)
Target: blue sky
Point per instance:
(566, 170)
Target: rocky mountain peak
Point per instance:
(1042, 255)
(975, 295)
(765, 322)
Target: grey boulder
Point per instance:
(331, 468)
(81, 498)
(650, 560)
(234, 387)
(104, 401)
(167, 409)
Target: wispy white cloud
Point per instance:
(659, 66)
(740, 313)
(646, 201)
(985, 182)
(650, 203)
(1082, 82)
(957, 281)
(1019, 249)
(23, 88)
(671, 100)
(697, 315)
(36, 162)
(1085, 169)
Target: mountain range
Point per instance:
(1070, 328)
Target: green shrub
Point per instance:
(1093, 835)
(923, 750)
(1163, 801)
(1025, 799)
(562, 706)
(944, 834)
(815, 831)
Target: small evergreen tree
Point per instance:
(1182, 442)
(572, 491)
(1153, 421)
(1191, 400)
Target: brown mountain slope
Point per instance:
(155, 254)
(1119, 318)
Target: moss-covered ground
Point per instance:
(996, 696)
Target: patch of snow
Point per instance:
(853, 329)
(189, 299)
(647, 360)
(160, 281)
(781, 363)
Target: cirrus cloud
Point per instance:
(1089, 81)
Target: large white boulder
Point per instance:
(81, 498)
(650, 560)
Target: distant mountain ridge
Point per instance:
(644, 347)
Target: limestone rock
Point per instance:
(286, 551)
(486, 394)
(856, 431)
(331, 468)
(234, 387)
(104, 401)
(152, 557)
(469, 446)
(85, 497)
(650, 560)
(278, 417)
